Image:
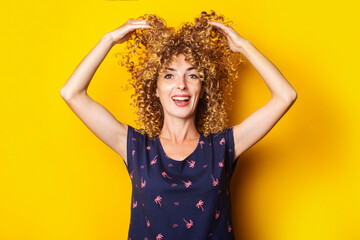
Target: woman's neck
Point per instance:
(179, 130)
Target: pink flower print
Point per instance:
(142, 166)
(143, 183)
(230, 150)
(200, 205)
(132, 174)
(221, 164)
(170, 165)
(229, 227)
(191, 163)
(145, 238)
(215, 182)
(133, 153)
(147, 222)
(158, 200)
(176, 203)
(135, 204)
(189, 224)
(201, 143)
(217, 214)
(154, 160)
(143, 204)
(164, 174)
(174, 185)
(187, 184)
(205, 166)
(222, 141)
(148, 148)
(159, 236)
(210, 234)
(133, 139)
(175, 225)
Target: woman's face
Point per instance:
(179, 89)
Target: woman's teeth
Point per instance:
(181, 99)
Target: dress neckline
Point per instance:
(179, 161)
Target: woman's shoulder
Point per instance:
(139, 133)
(136, 132)
(221, 138)
(222, 132)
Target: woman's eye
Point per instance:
(168, 76)
(194, 76)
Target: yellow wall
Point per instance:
(58, 181)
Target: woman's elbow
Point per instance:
(293, 96)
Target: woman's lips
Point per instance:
(181, 100)
(181, 104)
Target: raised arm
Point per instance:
(97, 118)
(260, 122)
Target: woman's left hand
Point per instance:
(235, 41)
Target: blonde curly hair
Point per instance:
(150, 50)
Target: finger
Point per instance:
(140, 22)
(217, 24)
(221, 31)
(220, 27)
(140, 26)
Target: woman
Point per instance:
(181, 160)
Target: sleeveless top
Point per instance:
(187, 199)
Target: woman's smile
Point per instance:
(181, 100)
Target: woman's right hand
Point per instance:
(123, 33)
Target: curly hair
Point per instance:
(150, 50)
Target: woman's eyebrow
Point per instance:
(173, 69)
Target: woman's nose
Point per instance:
(181, 83)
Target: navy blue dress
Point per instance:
(187, 199)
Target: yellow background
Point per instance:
(58, 181)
